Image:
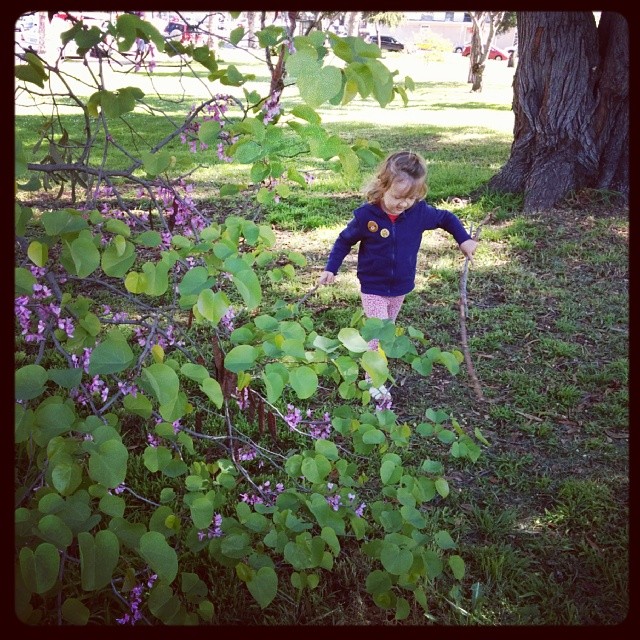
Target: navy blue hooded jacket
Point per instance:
(388, 251)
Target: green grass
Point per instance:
(541, 518)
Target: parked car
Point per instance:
(26, 22)
(387, 42)
(180, 29)
(494, 54)
(458, 48)
(26, 32)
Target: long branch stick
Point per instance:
(463, 315)
(306, 295)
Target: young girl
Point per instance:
(389, 228)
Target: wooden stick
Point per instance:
(463, 315)
(306, 295)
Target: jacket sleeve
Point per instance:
(451, 224)
(342, 246)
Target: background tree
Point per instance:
(316, 20)
(571, 104)
(509, 21)
(251, 21)
(386, 18)
(353, 22)
(485, 28)
(42, 30)
(210, 27)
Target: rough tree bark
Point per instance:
(477, 56)
(571, 104)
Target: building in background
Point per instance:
(454, 26)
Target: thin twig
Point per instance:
(463, 314)
(133, 493)
(528, 415)
(240, 468)
(309, 293)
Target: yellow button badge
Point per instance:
(385, 233)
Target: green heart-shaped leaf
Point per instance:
(263, 586)
(156, 551)
(394, 559)
(321, 86)
(40, 569)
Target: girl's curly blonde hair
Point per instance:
(403, 165)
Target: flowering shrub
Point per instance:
(192, 382)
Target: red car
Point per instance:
(494, 54)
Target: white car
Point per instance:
(28, 37)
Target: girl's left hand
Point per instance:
(326, 277)
(468, 247)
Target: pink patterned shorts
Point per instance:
(380, 307)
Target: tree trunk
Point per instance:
(475, 73)
(476, 63)
(571, 104)
(210, 27)
(251, 22)
(481, 45)
(351, 21)
(42, 32)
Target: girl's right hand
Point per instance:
(468, 247)
(326, 277)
